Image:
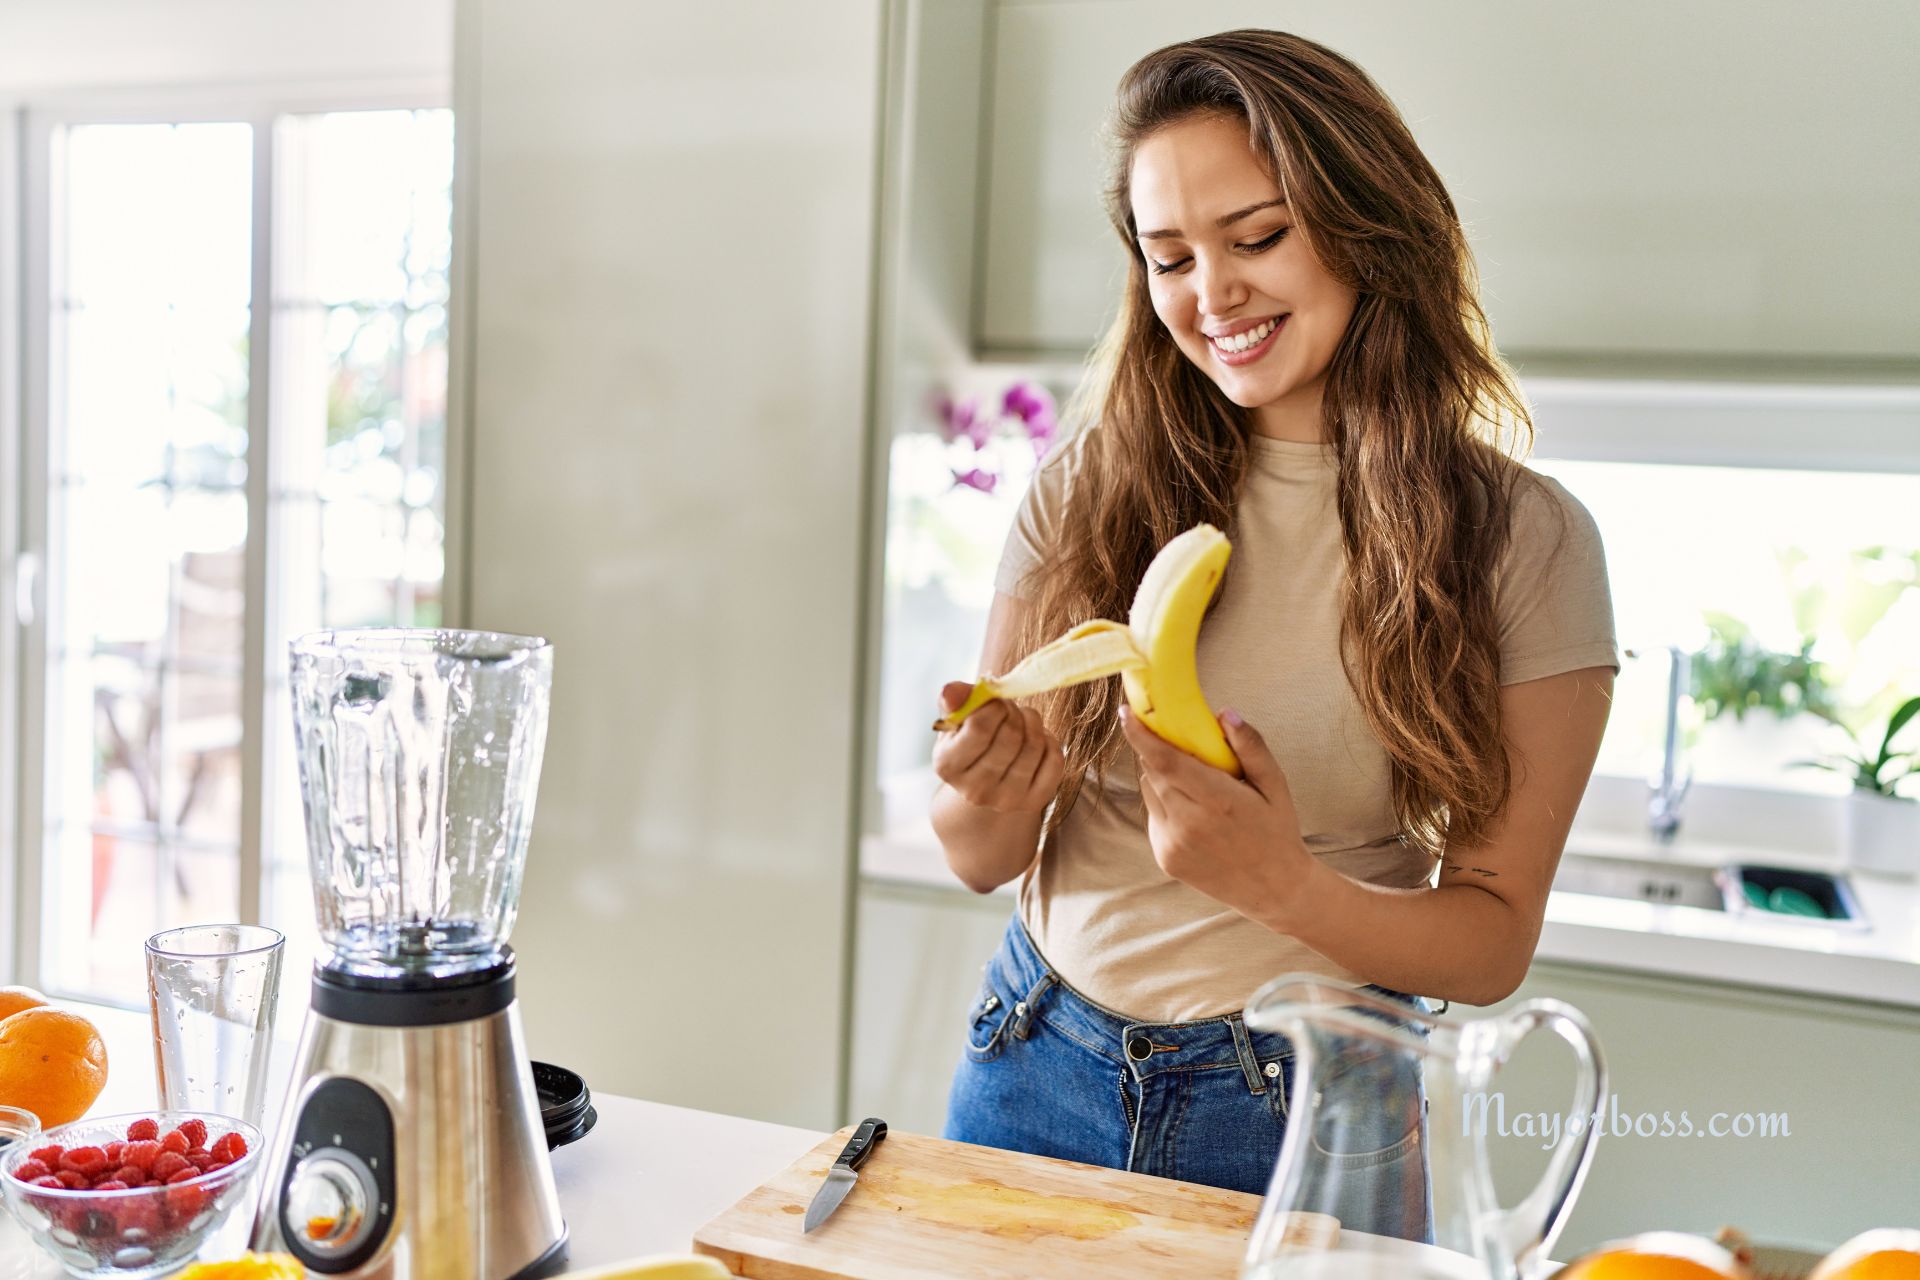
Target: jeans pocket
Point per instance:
(1375, 1114)
(987, 1020)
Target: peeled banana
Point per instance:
(1153, 652)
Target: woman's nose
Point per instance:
(1217, 285)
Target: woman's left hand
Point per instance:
(1236, 840)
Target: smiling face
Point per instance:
(1231, 276)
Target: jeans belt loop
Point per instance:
(1023, 1010)
(1243, 1049)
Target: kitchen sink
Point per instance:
(1749, 889)
(1666, 883)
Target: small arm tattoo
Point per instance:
(1448, 864)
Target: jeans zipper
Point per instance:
(1126, 1100)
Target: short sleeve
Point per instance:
(1037, 516)
(1554, 604)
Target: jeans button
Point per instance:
(1272, 1070)
(1139, 1048)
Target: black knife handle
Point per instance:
(869, 1135)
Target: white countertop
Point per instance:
(650, 1175)
(1879, 965)
(642, 1182)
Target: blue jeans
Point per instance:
(1047, 1071)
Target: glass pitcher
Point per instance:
(419, 756)
(1383, 1171)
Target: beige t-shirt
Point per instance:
(1130, 937)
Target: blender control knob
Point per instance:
(329, 1201)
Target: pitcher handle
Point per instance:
(1529, 1229)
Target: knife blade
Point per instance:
(845, 1172)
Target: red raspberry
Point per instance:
(218, 1165)
(138, 1213)
(74, 1181)
(195, 1132)
(142, 1154)
(176, 1141)
(187, 1174)
(144, 1130)
(51, 1182)
(50, 1156)
(230, 1147)
(184, 1201)
(111, 1184)
(31, 1169)
(91, 1161)
(132, 1175)
(200, 1160)
(116, 1154)
(168, 1164)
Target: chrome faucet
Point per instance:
(1668, 787)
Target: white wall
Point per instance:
(672, 250)
(49, 45)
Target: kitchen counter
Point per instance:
(1878, 965)
(642, 1182)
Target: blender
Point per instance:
(411, 1146)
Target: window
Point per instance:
(1792, 560)
(210, 495)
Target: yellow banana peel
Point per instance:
(281, 1266)
(1153, 652)
(660, 1267)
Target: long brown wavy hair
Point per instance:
(1416, 401)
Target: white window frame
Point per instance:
(24, 454)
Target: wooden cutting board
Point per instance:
(926, 1207)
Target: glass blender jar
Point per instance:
(419, 757)
(411, 1144)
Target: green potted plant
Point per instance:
(1745, 697)
(1882, 829)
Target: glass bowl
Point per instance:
(140, 1232)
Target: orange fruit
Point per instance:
(52, 1063)
(14, 999)
(252, 1266)
(1656, 1255)
(1886, 1253)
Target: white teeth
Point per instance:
(1251, 338)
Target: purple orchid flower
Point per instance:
(976, 478)
(1033, 405)
(959, 419)
(1028, 401)
(979, 428)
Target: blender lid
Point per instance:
(566, 1104)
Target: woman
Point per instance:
(1413, 644)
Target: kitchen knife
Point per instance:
(844, 1174)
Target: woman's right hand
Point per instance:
(1001, 757)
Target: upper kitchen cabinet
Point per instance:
(1705, 185)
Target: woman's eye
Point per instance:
(1257, 246)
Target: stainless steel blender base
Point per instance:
(454, 1184)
